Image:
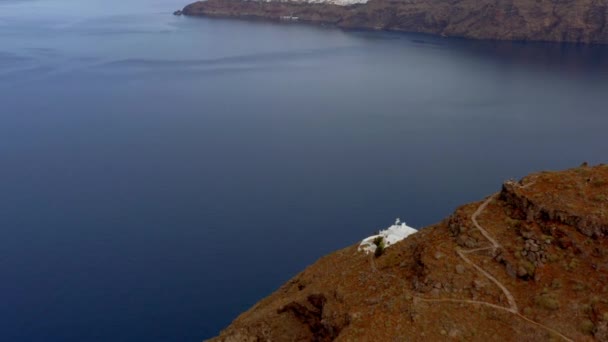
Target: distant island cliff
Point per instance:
(576, 21)
(527, 263)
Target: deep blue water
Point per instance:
(160, 174)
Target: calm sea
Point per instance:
(160, 174)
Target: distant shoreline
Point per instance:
(462, 18)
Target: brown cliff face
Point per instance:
(528, 263)
(580, 21)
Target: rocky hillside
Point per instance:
(527, 263)
(526, 20)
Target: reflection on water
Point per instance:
(569, 58)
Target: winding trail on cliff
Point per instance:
(495, 246)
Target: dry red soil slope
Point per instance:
(528, 263)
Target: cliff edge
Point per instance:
(577, 21)
(527, 263)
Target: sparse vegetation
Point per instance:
(572, 265)
(380, 246)
(528, 266)
(578, 286)
(553, 257)
(587, 326)
(547, 301)
(512, 223)
(600, 198)
(556, 284)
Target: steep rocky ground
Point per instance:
(527, 20)
(527, 263)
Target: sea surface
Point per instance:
(161, 174)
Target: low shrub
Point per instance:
(547, 301)
(380, 246)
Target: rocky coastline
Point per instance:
(572, 21)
